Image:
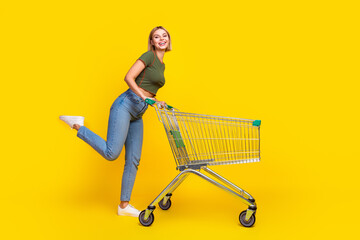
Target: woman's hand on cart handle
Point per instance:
(151, 101)
(163, 104)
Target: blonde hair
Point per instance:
(151, 47)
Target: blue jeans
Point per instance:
(125, 127)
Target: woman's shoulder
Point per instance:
(148, 57)
(148, 53)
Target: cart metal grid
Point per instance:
(198, 141)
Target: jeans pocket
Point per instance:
(134, 99)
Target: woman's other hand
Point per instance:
(162, 103)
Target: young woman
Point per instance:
(125, 126)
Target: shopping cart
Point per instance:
(198, 141)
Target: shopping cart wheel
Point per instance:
(147, 222)
(166, 206)
(245, 223)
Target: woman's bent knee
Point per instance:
(111, 156)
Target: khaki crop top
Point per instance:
(152, 77)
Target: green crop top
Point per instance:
(152, 77)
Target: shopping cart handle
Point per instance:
(151, 102)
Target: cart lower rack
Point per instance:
(198, 141)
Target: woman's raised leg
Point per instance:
(119, 122)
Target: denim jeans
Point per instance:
(125, 127)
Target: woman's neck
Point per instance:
(160, 55)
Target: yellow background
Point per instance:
(292, 64)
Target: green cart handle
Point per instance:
(151, 102)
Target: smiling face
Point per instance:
(160, 40)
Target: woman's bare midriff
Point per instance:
(146, 93)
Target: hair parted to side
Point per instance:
(151, 47)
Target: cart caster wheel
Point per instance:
(166, 206)
(147, 222)
(245, 223)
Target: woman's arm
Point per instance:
(132, 74)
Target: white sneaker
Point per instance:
(71, 120)
(128, 211)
